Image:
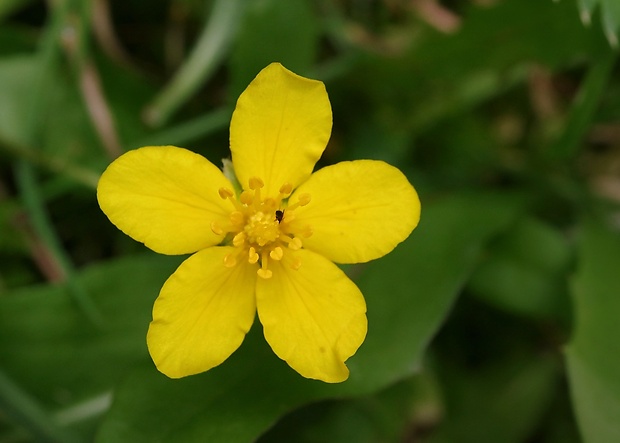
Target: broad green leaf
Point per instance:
(502, 402)
(525, 271)
(409, 293)
(610, 14)
(402, 409)
(49, 347)
(593, 355)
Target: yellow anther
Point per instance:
(288, 216)
(246, 198)
(252, 255)
(237, 218)
(307, 231)
(239, 239)
(256, 183)
(277, 253)
(296, 263)
(295, 244)
(304, 199)
(264, 273)
(269, 204)
(286, 189)
(229, 261)
(225, 193)
(216, 228)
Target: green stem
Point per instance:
(29, 190)
(49, 54)
(583, 109)
(191, 130)
(24, 410)
(209, 51)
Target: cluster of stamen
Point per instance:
(260, 229)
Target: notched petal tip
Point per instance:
(314, 317)
(363, 210)
(202, 313)
(154, 193)
(280, 128)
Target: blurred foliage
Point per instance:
(495, 321)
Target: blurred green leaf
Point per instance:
(16, 76)
(525, 271)
(9, 6)
(397, 414)
(502, 402)
(593, 355)
(238, 400)
(48, 346)
(443, 75)
(273, 31)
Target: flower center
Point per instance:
(260, 227)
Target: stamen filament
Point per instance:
(263, 271)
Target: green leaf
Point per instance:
(501, 402)
(593, 355)
(525, 271)
(48, 346)
(408, 406)
(442, 76)
(240, 399)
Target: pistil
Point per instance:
(260, 227)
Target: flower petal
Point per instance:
(165, 197)
(202, 313)
(359, 211)
(313, 317)
(280, 128)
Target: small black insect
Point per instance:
(279, 215)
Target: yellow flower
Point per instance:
(268, 247)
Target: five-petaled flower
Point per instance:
(268, 247)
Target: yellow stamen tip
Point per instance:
(252, 256)
(239, 239)
(256, 183)
(296, 263)
(307, 232)
(264, 273)
(295, 244)
(304, 199)
(217, 230)
(230, 261)
(277, 253)
(286, 189)
(225, 193)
